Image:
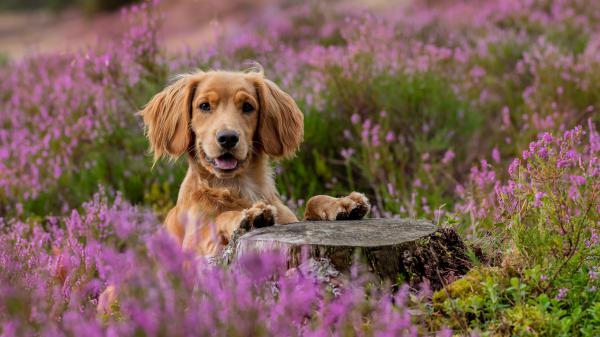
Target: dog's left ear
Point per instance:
(281, 123)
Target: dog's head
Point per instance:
(225, 119)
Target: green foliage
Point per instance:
(309, 172)
(544, 222)
(421, 108)
(496, 303)
(118, 161)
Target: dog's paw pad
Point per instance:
(264, 219)
(354, 207)
(345, 207)
(258, 216)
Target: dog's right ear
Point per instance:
(167, 118)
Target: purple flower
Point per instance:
(513, 167)
(505, 117)
(417, 183)
(347, 153)
(577, 180)
(477, 72)
(547, 138)
(389, 137)
(448, 156)
(391, 189)
(562, 293)
(538, 199)
(593, 240)
(496, 155)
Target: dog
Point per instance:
(231, 125)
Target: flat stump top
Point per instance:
(353, 233)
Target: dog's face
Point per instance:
(225, 118)
(225, 112)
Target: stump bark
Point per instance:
(393, 249)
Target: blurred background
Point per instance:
(428, 101)
(60, 25)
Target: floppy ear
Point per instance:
(166, 118)
(281, 123)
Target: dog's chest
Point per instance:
(251, 191)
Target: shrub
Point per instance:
(545, 222)
(423, 108)
(52, 272)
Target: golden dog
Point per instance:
(231, 125)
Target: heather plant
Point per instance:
(423, 107)
(495, 84)
(69, 122)
(53, 271)
(544, 221)
(475, 91)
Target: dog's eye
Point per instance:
(247, 107)
(204, 107)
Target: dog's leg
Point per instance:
(208, 237)
(174, 226)
(284, 214)
(352, 207)
(257, 216)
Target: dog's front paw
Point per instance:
(353, 207)
(258, 216)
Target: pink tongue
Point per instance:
(226, 163)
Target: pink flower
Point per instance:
(448, 156)
(496, 155)
(347, 153)
(505, 117)
(562, 293)
(593, 240)
(538, 199)
(477, 72)
(417, 183)
(391, 189)
(389, 137)
(577, 180)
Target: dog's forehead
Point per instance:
(226, 84)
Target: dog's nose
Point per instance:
(227, 138)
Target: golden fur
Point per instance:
(213, 202)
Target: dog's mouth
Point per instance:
(226, 162)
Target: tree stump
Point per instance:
(393, 249)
